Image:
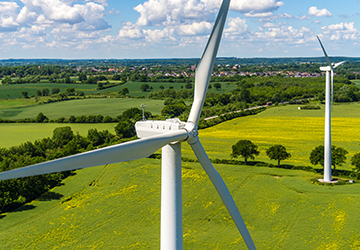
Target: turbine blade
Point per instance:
(338, 64)
(332, 89)
(117, 153)
(223, 192)
(206, 64)
(326, 56)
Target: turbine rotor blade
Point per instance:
(206, 64)
(223, 192)
(338, 64)
(332, 88)
(127, 151)
(326, 56)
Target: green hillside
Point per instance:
(118, 207)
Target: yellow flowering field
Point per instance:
(299, 134)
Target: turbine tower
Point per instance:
(329, 97)
(167, 135)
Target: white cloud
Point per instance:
(314, 11)
(236, 26)
(255, 6)
(259, 15)
(159, 35)
(130, 32)
(201, 28)
(8, 13)
(345, 31)
(102, 2)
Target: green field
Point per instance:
(299, 131)
(13, 134)
(14, 91)
(94, 106)
(118, 207)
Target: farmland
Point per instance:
(14, 91)
(298, 131)
(118, 206)
(104, 106)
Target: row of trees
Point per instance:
(248, 150)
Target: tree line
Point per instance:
(248, 150)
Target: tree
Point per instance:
(188, 85)
(124, 91)
(62, 135)
(161, 87)
(82, 77)
(338, 156)
(25, 94)
(277, 152)
(45, 92)
(38, 93)
(143, 78)
(217, 85)
(245, 149)
(55, 91)
(144, 87)
(245, 96)
(355, 161)
(41, 118)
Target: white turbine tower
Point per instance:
(328, 102)
(167, 135)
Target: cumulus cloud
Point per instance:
(237, 26)
(102, 2)
(256, 6)
(130, 31)
(201, 28)
(159, 35)
(346, 31)
(314, 11)
(8, 13)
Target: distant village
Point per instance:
(223, 71)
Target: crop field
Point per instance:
(118, 207)
(300, 131)
(94, 106)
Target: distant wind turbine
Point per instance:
(167, 135)
(328, 103)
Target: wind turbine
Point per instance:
(327, 148)
(167, 135)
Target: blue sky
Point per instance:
(81, 29)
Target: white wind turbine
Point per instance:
(167, 135)
(327, 148)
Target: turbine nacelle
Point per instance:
(149, 128)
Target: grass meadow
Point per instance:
(118, 207)
(94, 106)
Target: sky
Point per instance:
(143, 29)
